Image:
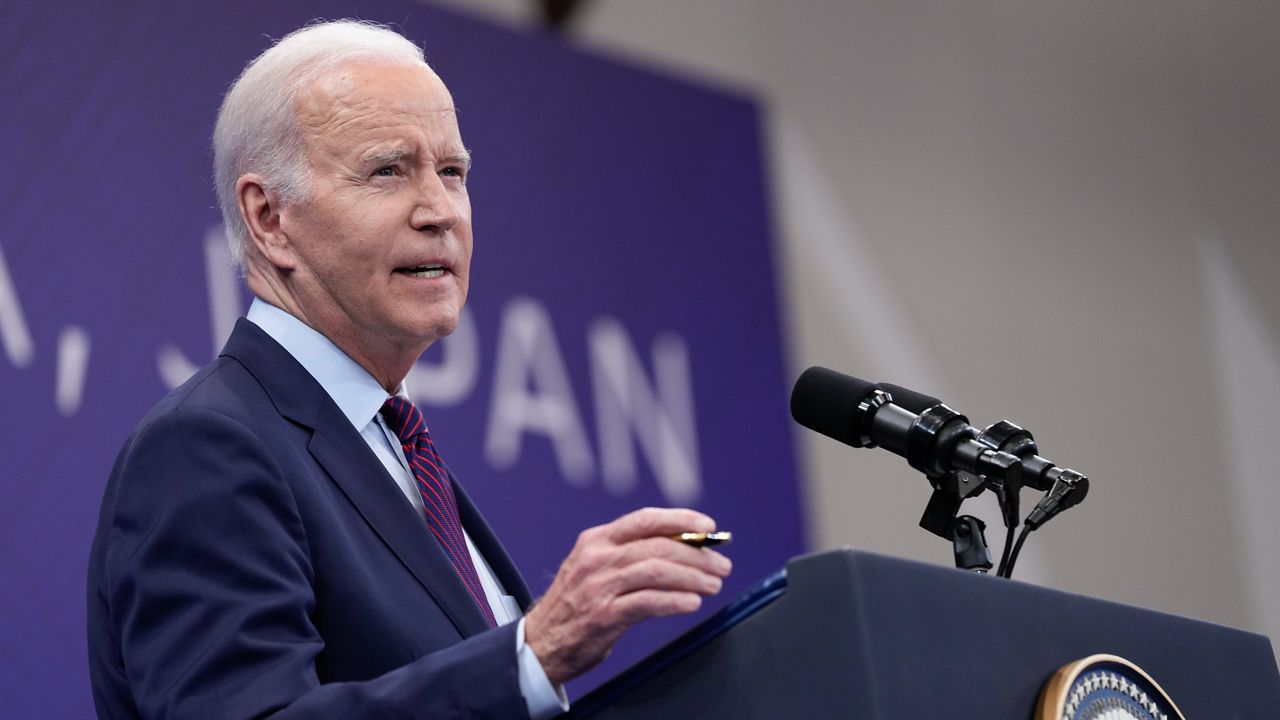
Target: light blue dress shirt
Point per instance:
(360, 398)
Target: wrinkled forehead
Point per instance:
(371, 91)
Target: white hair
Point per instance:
(257, 129)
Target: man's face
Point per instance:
(383, 247)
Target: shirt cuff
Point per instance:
(543, 700)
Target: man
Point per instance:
(279, 536)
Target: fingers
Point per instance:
(663, 575)
(651, 560)
(645, 604)
(664, 548)
(656, 522)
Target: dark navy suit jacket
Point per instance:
(253, 558)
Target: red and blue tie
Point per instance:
(438, 501)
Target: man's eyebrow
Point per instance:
(462, 157)
(384, 155)
(391, 155)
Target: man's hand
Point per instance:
(617, 575)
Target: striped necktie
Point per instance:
(438, 502)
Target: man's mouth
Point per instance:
(434, 270)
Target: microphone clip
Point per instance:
(949, 491)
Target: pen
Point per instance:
(704, 539)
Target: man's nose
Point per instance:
(436, 210)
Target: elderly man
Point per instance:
(280, 536)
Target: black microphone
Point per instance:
(824, 407)
(935, 441)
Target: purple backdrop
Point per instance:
(621, 346)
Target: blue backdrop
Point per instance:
(621, 346)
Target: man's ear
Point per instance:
(260, 210)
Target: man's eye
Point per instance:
(387, 171)
(452, 171)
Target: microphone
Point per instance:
(936, 440)
(933, 437)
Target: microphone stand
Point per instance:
(969, 544)
(966, 532)
(937, 445)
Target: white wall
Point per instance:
(1064, 214)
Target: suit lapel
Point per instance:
(349, 462)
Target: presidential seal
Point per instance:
(1104, 687)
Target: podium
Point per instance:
(848, 634)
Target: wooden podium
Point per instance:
(847, 634)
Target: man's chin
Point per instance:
(435, 329)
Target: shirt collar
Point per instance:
(352, 388)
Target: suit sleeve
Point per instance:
(209, 584)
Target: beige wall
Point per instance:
(1064, 214)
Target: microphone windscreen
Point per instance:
(827, 401)
(909, 399)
